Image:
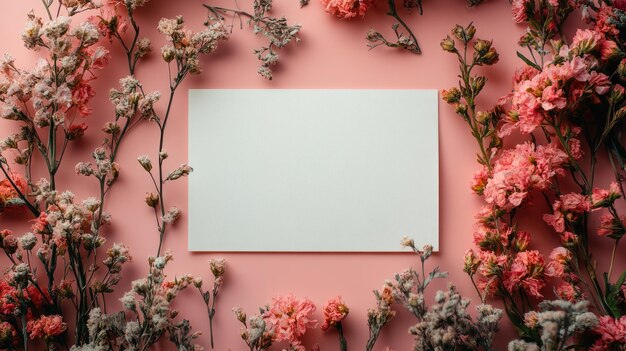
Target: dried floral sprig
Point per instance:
(446, 325)
(559, 323)
(254, 332)
(184, 53)
(405, 38)
(218, 268)
(276, 30)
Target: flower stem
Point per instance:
(343, 344)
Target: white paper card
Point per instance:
(312, 170)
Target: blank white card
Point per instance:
(312, 170)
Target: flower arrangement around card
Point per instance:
(563, 117)
(566, 107)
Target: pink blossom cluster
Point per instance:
(289, 317)
(347, 9)
(517, 172)
(46, 327)
(540, 99)
(612, 334)
(8, 194)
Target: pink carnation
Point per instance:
(519, 10)
(560, 258)
(335, 311)
(526, 272)
(566, 291)
(347, 9)
(612, 333)
(46, 326)
(611, 226)
(289, 318)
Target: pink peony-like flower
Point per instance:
(46, 326)
(527, 272)
(566, 291)
(518, 171)
(559, 260)
(347, 9)
(289, 318)
(612, 333)
(335, 311)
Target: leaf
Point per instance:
(528, 62)
(612, 294)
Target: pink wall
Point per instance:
(332, 54)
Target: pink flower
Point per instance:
(289, 318)
(552, 97)
(600, 82)
(81, 95)
(100, 57)
(335, 311)
(46, 326)
(586, 40)
(612, 227)
(566, 291)
(519, 10)
(8, 192)
(480, 180)
(518, 171)
(604, 197)
(575, 203)
(560, 258)
(526, 272)
(612, 333)
(347, 9)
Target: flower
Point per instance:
(8, 194)
(46, 327)
(611, 226)
(335, 311)
(612, 333)
(289, 318)
(218, 266)
(527, 272)
(347, 9)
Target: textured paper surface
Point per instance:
(312, 170)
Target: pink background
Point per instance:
(332, 54)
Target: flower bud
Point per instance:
(145, 162)
(218, 266)
(483, 117)
(240, 314)
(447, 44)
(451, 96)
(152, 200)
(471, 262)
(168, 53)
(477, 84)
(407, 242)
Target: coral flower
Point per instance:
(347, 9)
(289, 317)
(335, 311)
